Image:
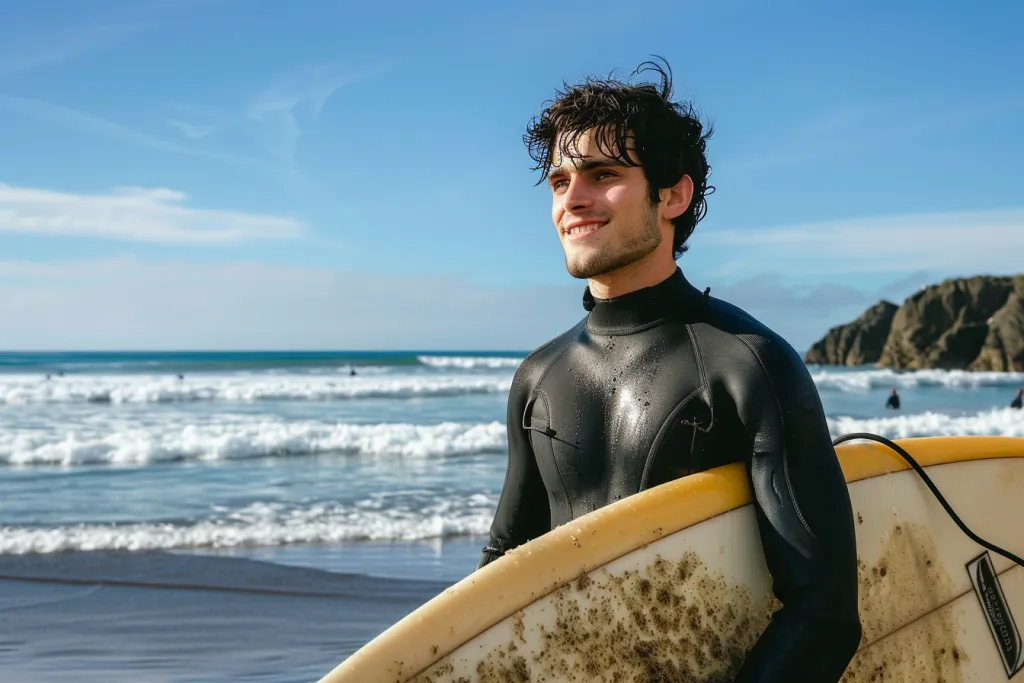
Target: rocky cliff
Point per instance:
(858, 342)
(968, 323)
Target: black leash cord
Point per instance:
(927, 480)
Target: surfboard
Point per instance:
(671, 583)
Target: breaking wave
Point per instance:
(264, 524)
(236, 437)
(999, 422)
(866, 380)
(119, 389)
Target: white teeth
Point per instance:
(581, 229)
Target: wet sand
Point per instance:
(163, 618)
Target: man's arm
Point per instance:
(523, 512)
(806, 526)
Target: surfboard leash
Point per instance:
(934, 489)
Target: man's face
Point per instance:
(602, 211)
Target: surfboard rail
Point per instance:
(492, 593)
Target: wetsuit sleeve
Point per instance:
(523, 512)
(805, 521)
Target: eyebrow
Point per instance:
(589, 165)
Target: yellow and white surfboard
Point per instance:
(673, 580)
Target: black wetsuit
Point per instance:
(1017, 402)
(667, 381)
(893, 403)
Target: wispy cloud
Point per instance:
(977, 241)
(275, 118)
(278, 116)
(280, 109)
(191, 131)
(134, 215)
(47, 51)
(101, 127)
(196, 122)
(29, 50)
(62, 270)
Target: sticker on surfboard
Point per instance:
(997, 613)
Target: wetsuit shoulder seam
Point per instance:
(554, 461)
(744, 338)
(535, 391)
(698, 355)
(533, 358)
(569, 337)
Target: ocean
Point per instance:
(172, 517)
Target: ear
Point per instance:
(676, 200)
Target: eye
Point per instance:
(602, 174)
(558, 184)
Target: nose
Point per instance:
(577, 196)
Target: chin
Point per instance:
(584, 269)
(600, 263)
(577, 268)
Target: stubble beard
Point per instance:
(612, 257)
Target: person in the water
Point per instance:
(893, 402)
(1018, 400)
(660, 380)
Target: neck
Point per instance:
(673, 297)
(650, 270)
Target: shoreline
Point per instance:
(175, 617)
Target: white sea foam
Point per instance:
(112, 440)
(255, 387)
(125, 440)
(865, 380)
(1001, 422)
(470, 362)
(264, 524)
(24, 389)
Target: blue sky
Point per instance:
(224, 174)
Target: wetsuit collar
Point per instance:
(670, 297)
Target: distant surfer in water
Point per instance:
(894, 400)
(660, 380)
(1018, 400)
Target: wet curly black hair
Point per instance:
(668, 137)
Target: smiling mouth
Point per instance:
(583, 230)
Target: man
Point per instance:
(1018, 400)
(893, 403)
(660, 380)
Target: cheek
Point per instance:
(624, 197)
(556, 210)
